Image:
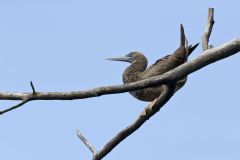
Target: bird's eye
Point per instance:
(130, 55)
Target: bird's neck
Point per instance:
(133, 72)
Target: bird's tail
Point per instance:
(192, 48)
(182, 36)
(183, 41)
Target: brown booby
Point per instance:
(138, 69)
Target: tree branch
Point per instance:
(207, 57)
(86, 142)
(33, 88)
(14, 107)
(148, 112)
(208, 30)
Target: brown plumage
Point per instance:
(138, 69)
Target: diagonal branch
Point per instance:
(207, 57)
(208, 30)
(148, 112)
(86, 142)
(14, 107)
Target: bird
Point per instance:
(138, 69)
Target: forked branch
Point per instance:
(147, 113)
(207, 57)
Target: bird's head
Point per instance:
(132, 57)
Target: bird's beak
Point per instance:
(123, 58)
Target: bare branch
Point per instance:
(14, 107)
(206, 58)
(148, 112)
(208, 30)
(32, 86)
(86, 142)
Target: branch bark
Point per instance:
(86, 142)
(147, 113)
(208, 30)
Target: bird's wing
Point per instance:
(158, 68)
(169, 62)
(165, 64)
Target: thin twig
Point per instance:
(32, 86)
(148, 112)
(86, 142)
(208, 30)
(14, 107)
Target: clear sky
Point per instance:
(62, 46)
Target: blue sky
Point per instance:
(62, 46)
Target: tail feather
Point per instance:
(182, 36)
(192, 48)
